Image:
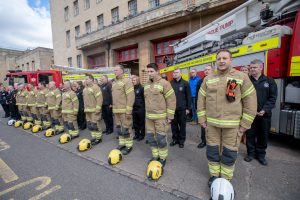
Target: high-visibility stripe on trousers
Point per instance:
(156, 136)
(124, 128)
(222, 150)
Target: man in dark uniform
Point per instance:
(138, 112)
(183, 99)
(257, 136)
(3, 97)
(81, 115)
(107, 105)
(11, 101)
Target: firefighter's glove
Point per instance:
(230, 92)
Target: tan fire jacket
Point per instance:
(216, 110)
(92, 97)
(70, 103)
(160, 99)
(31, 97)
(123, 95)
(41, 98)
(22, 97)
(53, 99)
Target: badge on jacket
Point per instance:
(266, 85)
(180, 89)
(137, 91)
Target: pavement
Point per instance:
(186, 173)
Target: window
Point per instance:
(68, 42)
(33, 65)
(70, 62)
(88, 28)
(86, 4)
(115, 15)
(98, 1)
(23, 68)
(77, 31)
(76, 8)
(27, 66)
(153, 3)
(132, 7)
(100, 22)
(79, 61)
(66, 13)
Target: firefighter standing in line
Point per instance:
(138, 112)
(44, 116)
(69, 111)
(53, 99)
(93, 99)
(226, 108)
(207, 71)
(22, 102)
(160, 104)
(11, 101)
(183, 99)
(123, 99)
(3, 98)
(31, 103)
(107, 105)
(257, 136)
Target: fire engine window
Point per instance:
(20, 79)
(45, 78)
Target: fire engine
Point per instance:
(58, 74)
(268, 30)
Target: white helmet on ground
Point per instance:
(221, 189)
(11, 122)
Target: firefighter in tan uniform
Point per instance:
(41, 104)
(69, 113)
(93, 99)
(31, 103)
(226, 109)
(123, 100)
(20, 99)
(53, 99)
(160, 103)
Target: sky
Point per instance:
(25, 24)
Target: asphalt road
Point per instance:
(31, 168)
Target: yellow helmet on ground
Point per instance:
(65, 138)
(155, 170)
(84, 145)
(18, 124)
(36, 128)
(114, 157)
(50, 132)
(27, 125)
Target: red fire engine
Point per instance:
(268, 30)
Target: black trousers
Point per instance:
(138, 121)
(14, 112)
(257, 137)
(6, 109)
(203, 139)
(178, 126)
(108, 118)
(81, 120)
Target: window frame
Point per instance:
(76, 8)
(68, 38)
(132, 11)
(88, 29)
(101, 16)
(87, 4)
(154, 3)
(115, 19)
(79, 58)
(66, 13)
(77, 31)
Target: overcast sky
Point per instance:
(25, 24)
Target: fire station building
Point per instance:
(98, 33)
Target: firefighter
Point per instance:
(43, 112)
(138, 112)
(183, 106)
(226, 109)
(160, 104)
(11, 101)
(22, 102)
(92, 97)
(31, 103)
(69, 111)
(207, 71)
(123, 99)
(107, 105)
(257, 136)
(53, 99)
